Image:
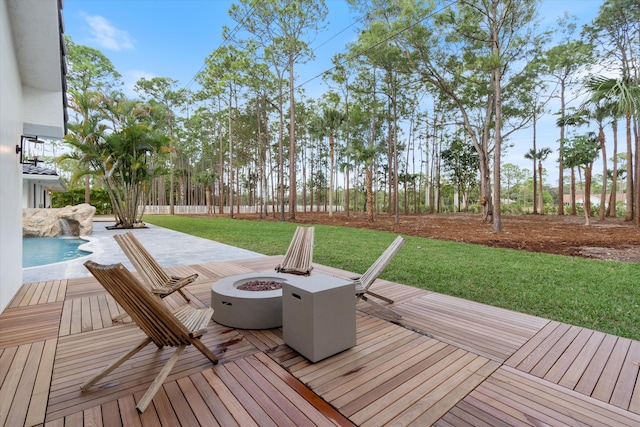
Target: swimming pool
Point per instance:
(48, 250)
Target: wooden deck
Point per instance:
(446, 362)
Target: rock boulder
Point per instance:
(73, 220)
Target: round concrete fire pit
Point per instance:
(242, 309)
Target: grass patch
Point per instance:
(599, 295)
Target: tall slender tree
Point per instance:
(565, 64)
(491, 87)
(284, 27)
(164, 91)
(616, 34)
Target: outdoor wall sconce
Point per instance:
(29, 148)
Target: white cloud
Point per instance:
(106, 35)
(131, 77)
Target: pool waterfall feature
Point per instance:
(52, 235)
(69, 221)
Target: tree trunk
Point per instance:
(613, 199)
(630, 171)
(587, 193)
(369, 186)
(497, 89)
(603, 194)
(331, 183)
(540, 181)
(292, 144)
(560, 160)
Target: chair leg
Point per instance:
(91, 381)
(204, 350)
(183, 295)
(157, 383)
(381, 297)
(385, 310)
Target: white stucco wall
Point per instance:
(31, 103)
(10, 168)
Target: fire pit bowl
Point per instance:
(247, 309)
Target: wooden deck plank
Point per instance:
(628, 381)
(277, 404)
(224, 269)
(6, 358)
(437, 403)
(441, 368)
(25, 385)
(29, 324)
(40, 392)
(215, 405)
(566, 359)
(546, 402)
(18, 297)
(485, 330)
(81, 354)
(164, 410)
(360, 357)
(552, 354)
(386, 393)
(80, 287)
(27, 297)
(403, 397)
(181, 408)
(197, 404)
(481, 409)
(379, 363)
(607, 381)
(309, 403)
(255, 411)
(576, 370)
(93, 416)
(267, 263)
(113, 417)
(231, 402)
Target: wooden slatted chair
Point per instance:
(153, 275)
(364, 282)
(165, 329)
(299, 255)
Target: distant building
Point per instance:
(32, 105)
(595, 199)
(37, 185)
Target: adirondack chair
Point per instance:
(158, 280)
(364, 282)
(299, 255)
(164, 328)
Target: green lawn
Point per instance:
(600, 295)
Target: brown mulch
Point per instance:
(611, 239)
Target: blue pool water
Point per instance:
(48, 250)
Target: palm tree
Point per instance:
(538, 157)
(624, 100)
(120, 157)
(580, 152)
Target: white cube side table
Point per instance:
(319, 316)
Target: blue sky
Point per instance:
(171, 38)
